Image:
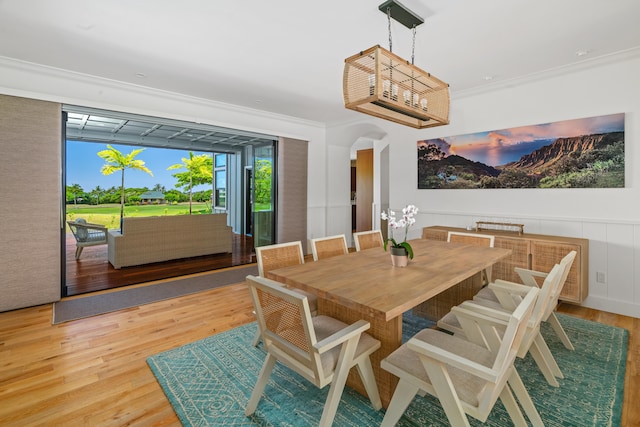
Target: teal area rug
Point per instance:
(209, 382)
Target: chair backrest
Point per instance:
(278, 256)
(80, 232)
(470, 238)
(516, 328)
(566, 263)
(287, 327)
(503, 343)
(368, 239)
(327, 247)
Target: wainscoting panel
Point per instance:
(614, 249)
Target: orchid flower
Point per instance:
(408, 219)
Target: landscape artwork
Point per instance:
(580, 153)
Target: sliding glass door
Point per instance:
(264, 195)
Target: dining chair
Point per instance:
(368, 239)
(87, 234)
(468, 375)
(528, 277)
(327, 247)
(509, 295)
(320, 348)
(281, 255)
(475, 240)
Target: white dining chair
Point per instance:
(509, 295)
(467, 375)
(320, 348)
(528, 277)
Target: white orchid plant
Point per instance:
(408, 219)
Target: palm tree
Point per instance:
(160, 188)
(97, 192)
(75, 190)
(116, 161)
(199, 170)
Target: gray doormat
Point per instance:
(78, 308)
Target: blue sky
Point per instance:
(83, 167)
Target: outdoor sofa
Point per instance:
(145, 240)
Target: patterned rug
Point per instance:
(209, 382)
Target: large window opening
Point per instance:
(174, 168)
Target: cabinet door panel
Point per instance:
(544, 255)
(505, 269)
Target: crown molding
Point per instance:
(586, 64)
(101, 82)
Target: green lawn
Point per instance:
(109, 215)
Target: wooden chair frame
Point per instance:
(509, 296)
(321, 349)
(528, 278)
(484, 356)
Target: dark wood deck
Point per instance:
(93, 272)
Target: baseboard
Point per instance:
(612, 306)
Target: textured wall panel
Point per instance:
(292, 191)
(30, 178)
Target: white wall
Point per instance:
(609, 218)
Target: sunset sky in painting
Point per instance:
(499, 147)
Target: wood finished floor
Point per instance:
(93, 372)
(93, 272)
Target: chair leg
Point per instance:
(369, 381)
(345, 362)
(559, 330)
(446, 394)
(261, 383)
(541, 345)
(256, 338)
(516, 384)
(402, 397)
(78, 251)
(512, 408)
(544, 367)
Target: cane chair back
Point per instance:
(367, 240)
(327, 247)
(281, 255)
(278, 255)
(475, 240)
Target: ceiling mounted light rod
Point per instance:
(379, 83)
(400, 13)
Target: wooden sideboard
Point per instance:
(536, 252)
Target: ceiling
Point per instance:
(287, 57)
(85, 124)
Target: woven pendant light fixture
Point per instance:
(379, 83)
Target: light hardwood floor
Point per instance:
(93, 371)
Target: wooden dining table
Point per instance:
(364, 285)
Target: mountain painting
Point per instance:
(580, 153)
